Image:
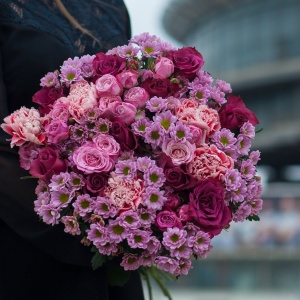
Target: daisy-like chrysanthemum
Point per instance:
(200, 243)
(102, 126)
(144, 163)
(126, 169)
(184, 266)
(243, 145)
(174, 238)
(128, 51)
(204, 78)
(217, 95)
(154, 198)
(130, 261)
(71, 225)
(62, 197)
(78, 133)
(248, 129)
(104, 207)
(59, 181)
(146, 217)
(130, 219)
(224, 139)
(138, 239)
(50, 80)
(198, 91)
(70, 74)
(83, 205)
(180, 132)
(154, 245)
(232, 179)
(182, 251)
(240, 193)
(116, 231)
(154, 176)
(147, 259)
(254, 156)
(107, 248)
(87, 69)
(165, 119)
(140, 125)
(254, 188)
(224, 86)
(256, 205)
(166, 264)
(50, 214)
(76, 181)
(43, 199)
(154, 135)
(247, 169)
(243, 211)
(97, 234)
(156, 104)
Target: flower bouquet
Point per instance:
(141, 153)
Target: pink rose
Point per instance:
(198, 135)
(108, 64)
(47, 164)
(24, 125)
(136, 96)
(107, 144)
(105, 102)
(179, 152)
(122, 112)
(108, 85)
(235, 113)
(57, 131)
(187, 62)
(60, 111)
(128, 78)
(209, 162)
(89, 159)
(208, 208)
(164, 67)
(167, 219)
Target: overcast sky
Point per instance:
(146, 17)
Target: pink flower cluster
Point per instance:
(141, 153)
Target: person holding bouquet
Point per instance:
(38, 261)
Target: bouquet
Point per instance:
(141, 153)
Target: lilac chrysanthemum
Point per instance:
(83, 205)
(76, 181)
(147, 259)
(146, 217)
(254, 156)
(217, 95)
(204, 78)
(102, 126)
(104, 207)
(140, 38)
(201, 93)
(224, 86)
(191, 229)
(154, 135)
(144, 163)
(183, 251)
(243, 144)
(138, 238)
(200, 243)
(154, 176)
(70, 74)
(150, 48)
(43, 199)
(128, 51)
(248, 129)
(107, 248)
(154, 245)
(180, 132)
(41, 187)
(166, 264)
(87, 69)
(71, 225)
(140, 125)
(172, 103)
(254, 189)
(232, 179)
(78, 133)
(185, 265)
(62, 197)
(130, 262)
(224, 139)
(49, 213)
(126, 169)
(50, 80)
(240, 193)
(154, 198)
(247, 169)
(243, 211)
(59, 181)
(130, 219)
(116, 231)
(156, 104)
(165, 119)
(256, 205)
(97, 234)
(174, 237)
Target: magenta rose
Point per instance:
(208, 208)
(90, 159)
(96, 183)
(128, 78)
(124, 136)
(164, 67)
(108, 64)
(235, 113)
(173, 201)
(46, 97)
(160, 87)
(57, 131)
(187, 62)
(167, 219)
(47, 164)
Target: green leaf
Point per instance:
(28, 177)
(253, 218)
(259, 130)
(117, 276)
(98, 260)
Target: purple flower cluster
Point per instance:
(141, 153)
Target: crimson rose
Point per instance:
(47, 164)
(167, 219)
(160, 87)
(108, 64)
(96, 182)
(187, 61)
(235, 113)
(208, 208)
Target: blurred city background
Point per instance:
(254, 45)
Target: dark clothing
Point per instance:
(39, 261)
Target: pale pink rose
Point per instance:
(136, 96)
(108, 85)
(107, 144)
(164, 68)
(24, 125)
(128, 78)
(105, 102)
(60, 111)
(123, 112)
(198, 135)
(201, 116)
(179, 152)
(124, 195)
(89, 159)
(209, 162)
(57, 131)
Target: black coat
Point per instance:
(38, 261)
